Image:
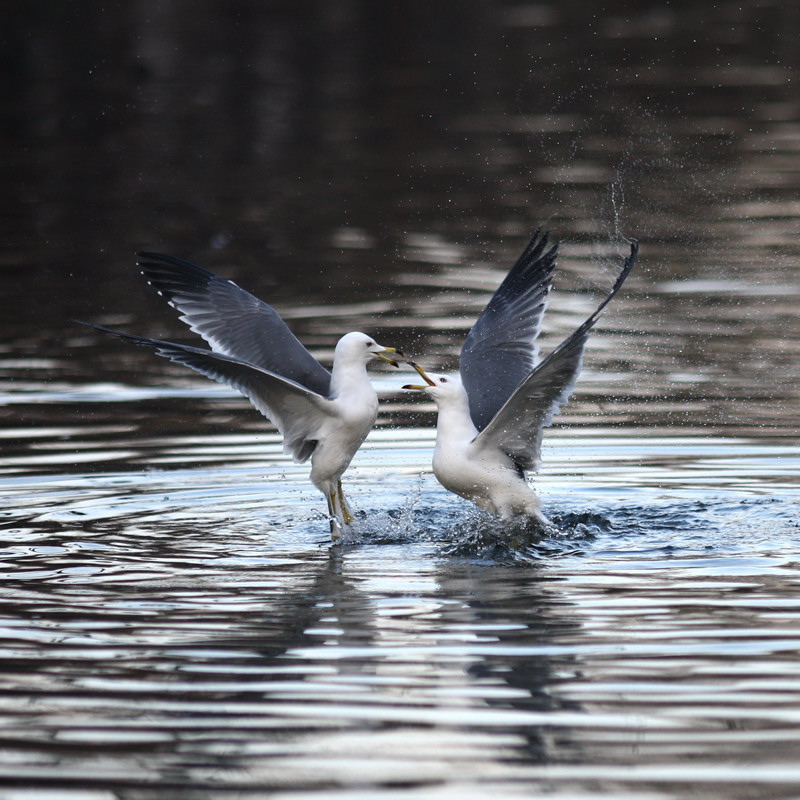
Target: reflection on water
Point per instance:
(174, 622)
(220, 665)
(180, 628)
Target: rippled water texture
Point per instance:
(174, 622)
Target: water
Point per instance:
(174, 621)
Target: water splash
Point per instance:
(669, 526)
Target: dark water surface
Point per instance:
(174, 622)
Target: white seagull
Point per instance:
(323, 415)
(490, 421)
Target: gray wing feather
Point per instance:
(517, 427)
(296, 411)
(233, 321)
(500, 350)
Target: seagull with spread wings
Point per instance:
(323, 415)
(491, 417)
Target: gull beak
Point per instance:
(421, 373)
(382, 357)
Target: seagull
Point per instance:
(491, 416)
(323, 415)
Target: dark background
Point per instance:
(343, 153)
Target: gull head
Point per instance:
(357, 346)
(442, 388)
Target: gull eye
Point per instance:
(370, 344)
(442, 380)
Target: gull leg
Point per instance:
(334, 517)
(347, 515)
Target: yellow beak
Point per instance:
(379, 354)
(421, 373)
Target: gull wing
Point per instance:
(501, 350)
(296, 411)
(517, 427)
(233, 321)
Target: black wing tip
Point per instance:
(161, 261)
(537, 234)
(634, 243)
(146, 258)
(170, 276)
(627, 265)
(161, 257)
(539, 240)
(93, 325)
(150, 261)
(536, 255)
(132, 337)
(534, 267)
